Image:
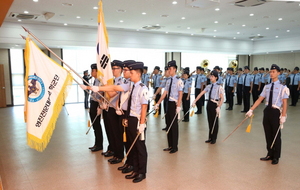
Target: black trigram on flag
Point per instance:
(104, 60)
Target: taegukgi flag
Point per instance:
(103, 57)
(46, 85)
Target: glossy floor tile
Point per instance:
(68, 164)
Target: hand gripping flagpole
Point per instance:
(26, 30)
(236, 128)
(172, 123)
(137, 136)
(276, 135)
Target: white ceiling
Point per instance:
(200, 20)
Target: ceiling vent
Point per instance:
(256, 37)
(23, 16)
(151, 27)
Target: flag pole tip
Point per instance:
(23, 37)
(26, 30)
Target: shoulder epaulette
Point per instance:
(142, 84)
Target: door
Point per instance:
(2, 88)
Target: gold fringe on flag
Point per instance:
(248, 130)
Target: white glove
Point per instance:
(103, 106)
(178, 109)
(282, 120)
(142, 127)
(99, 111)
(118, 111)
(194, 103)
(83, 86)
(156, 107)
(249, 113)
(95, 88)
(218, 110)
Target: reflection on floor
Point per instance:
(68, 164)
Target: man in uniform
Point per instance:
(86, 78)
(156, 78)
(231, 85)
(247, 88)
(262, 79)
(295, 86)
(173, 91)
(198, 87)
(276, 96)
(256, 84)
(239, 90)
(186, 101)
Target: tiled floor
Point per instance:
(68, 164)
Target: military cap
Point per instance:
(255, 69)
(117, 63)
(172, 63)
(217, 68)
(145, 67)
(267, 69)
(198, 67)
(166, 68)
(136, 66)
(157, 67)
(94, 66)
(246, 67)
(229, 69)
(86, 71)
(240, 69)
(274, 66)
(127, 63)
(261, 69)
(215, 73)
(296, 68)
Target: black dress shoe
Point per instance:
(96, 149)
(164, 129)
(173, 151)
(167, 149)
(275, 161)
(123, 167)
(116, 161)
(208, 141)
(185, 120)
(266, 158)
(92, 147)
(139, 178)
(213, 142)
(238, 104)
(109, 154)
(132, 175)
(103, 153)
(127, 169)
(111, 159)
(229, 109)
(244, 111)
(198, 112)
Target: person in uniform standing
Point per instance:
(186, 101)
(239, 89)
(215, 101)
(231, 86)
(256, 84)
(86, 80)
(276, 96)
(262, 79)
(173, 91)
(247, 88)
(156, 77)
(136, 120)
(95, 111)
(198, 87)
(295, 86)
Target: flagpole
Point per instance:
(26, 30)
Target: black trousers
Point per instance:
(185, 105)
(262, 85)
(230, 95)
(173, 133)
(246, 98)
(165, 102)
(239, 93)
(157, 99)
(96, 125)
(139, 151)
(198, 103)
(211, 116)
(271, 123)
(294, 94)
(126, 144)
(226, 92)
(86, 99)
(255, 92)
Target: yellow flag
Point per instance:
(46, 85)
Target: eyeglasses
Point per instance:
(126, 70)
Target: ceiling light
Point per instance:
(215, 30)
(16, 45)
(215, 36)
(267, 28)
(280, 19)
(167, 32)
(267, 52)
(78, 17)
(137, 30)
(157, 24)
(234, 38)
(243, 25)
(216, 22)
(188, 28)
(144, 13)
(174, 2)
(192, 34)
(35, 0)
(292, 51)
(238, 32)
(251, 14)
(65, 24)
(20, 20)
(276, 36)
(182, 18)
(217, 9)
(26, 12)
(121, 21)
(252, 39)
(95, 8)
(258, 34)
(288, 31)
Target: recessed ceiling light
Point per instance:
(267, 52)
(288, 31)
(26, 12)
(78, 17)
(238, 32)
(251, 14)
(215, 30)
(215, 36)
(217, 9)
(65, 24)
(276, 36)
(20, 20)
(280, 19)
(216, 22)
(174, 2)
(137, 30)
(121, 21)
(267, 28)
(292, 51)
(252, 39)
(258, 34)
(167, 32)
(243, 25)
(192, 34)
(95, 8)
(182, 18)
(16, 45)
(234, 38)
(35, 0)
(67, 4)
(144, 13)
(188, 28)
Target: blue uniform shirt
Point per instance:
(94, 94)
(139, 97)
(240, 79)
(113, 100)
(249, 79)
(231, 80)
(163, 82)
(294, 79)
(187, 84)
(216, 91)
(198, 80)
(204, 79)
(262, 78)
(177, 86)
(256, 79)
(145, 78)
(125, 94)
(220, 80)
(267, 78)
(280, 92)
(156, 80)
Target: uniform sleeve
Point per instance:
(180, 85)
(285, 93)
(235, 80)
(206, 89)
(125, 86)
(167, 85)
(263, 93)
(144, 96)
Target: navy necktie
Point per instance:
(271, 96)
(129, 103)
(211, 89)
